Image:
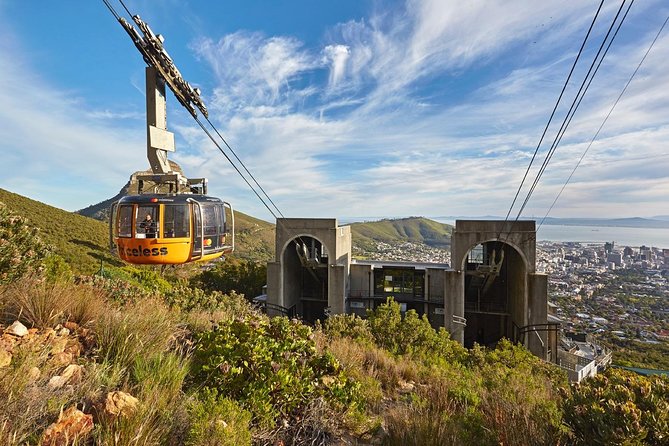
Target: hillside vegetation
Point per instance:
(81, 241)
(412, 229)
(159, 361)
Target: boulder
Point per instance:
(17, 329)
(5, 358)
(58, 345)
(71, 375)
(118, 404)
(72, 326)
(72, 425)
(34, 374)
(62, 358)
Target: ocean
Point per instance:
(622, 236)
(633, 237)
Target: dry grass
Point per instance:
(36, 303)
(41, 304)
(141, 330)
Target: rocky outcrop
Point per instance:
(17, 329)
(72, 425)
(117, 404)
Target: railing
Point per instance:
(520, 336)
(281, 310)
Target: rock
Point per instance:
(58, 345)
(72, 326)
(63, 332)
(17, 329)
(34, 374)
(49, 333)
(72, 425)
(5, 358)
(119, 404)
(74, 347)
(8, 341)
(62, 358)
(71, 375)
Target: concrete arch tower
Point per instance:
(494, 290)
(310, 274)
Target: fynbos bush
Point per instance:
(619, 407)
(21, 250)
(270, 366)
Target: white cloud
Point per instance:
(430, 109)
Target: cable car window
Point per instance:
(210, 220)
(221, 220)
(124, 221)
(146, 221)
(176, 221)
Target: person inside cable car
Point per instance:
(149, 226)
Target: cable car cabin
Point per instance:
(170, 229)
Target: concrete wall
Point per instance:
(283, 275)
(469, 233)
(539, 343)
(454, 301)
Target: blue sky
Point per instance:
(340, 109)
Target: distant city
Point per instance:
(596, 288)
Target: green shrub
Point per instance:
(619, 407)
(56, 269)
(217, 421)
(245, 277)
(347, 325)
(21, 249)
(412, 335)
(270, 366)
(150, 280)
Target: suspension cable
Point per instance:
(604, 121)
(243, 165)
(585, 85)
(564, 87)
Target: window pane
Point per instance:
(146, 225)
(210, 219)
(124, 228)
(176, 222)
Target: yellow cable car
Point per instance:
(166, 229)
(184, 224)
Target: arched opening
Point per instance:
(495, 293)
(305, 278)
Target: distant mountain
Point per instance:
(412, 229)
(634, 222)
(660, 221)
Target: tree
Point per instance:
(22, 252)
(242, 276)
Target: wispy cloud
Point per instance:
(430, 107)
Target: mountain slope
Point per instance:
(81, 241)
(411, 229)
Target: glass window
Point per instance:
(146, 221)
(476, 254)
(210, 214)
(124, 221)
(176, 221)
